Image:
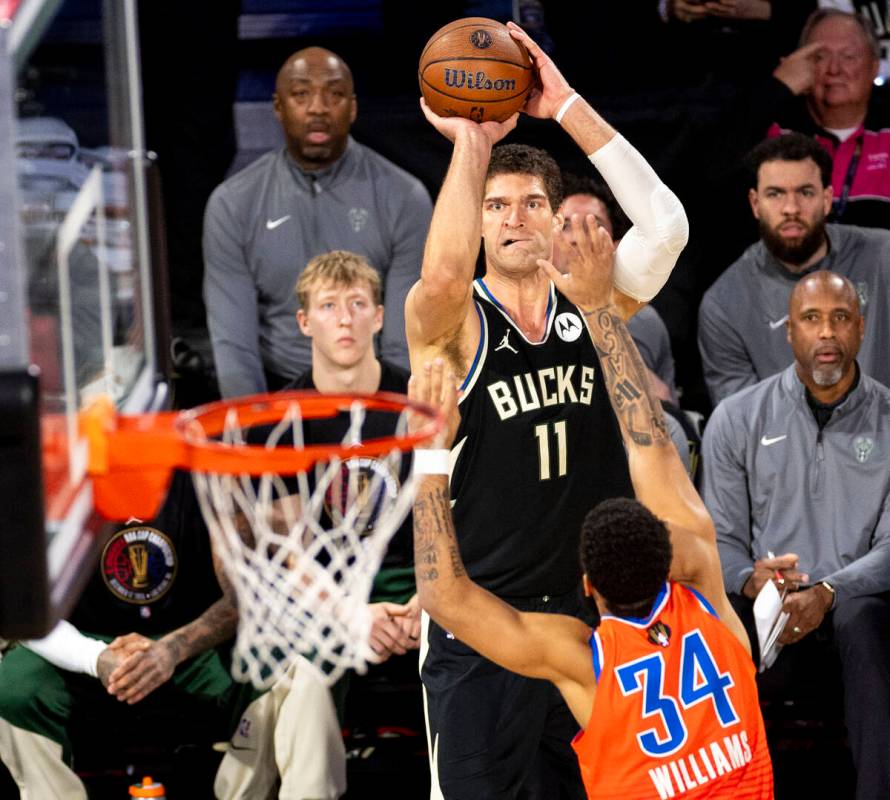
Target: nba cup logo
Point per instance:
(138, 555)
(363, 490)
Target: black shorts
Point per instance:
(494, 734)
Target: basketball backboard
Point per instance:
(77, 316)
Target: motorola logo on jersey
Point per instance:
(139, 564)
(568, 326)
(553, 386)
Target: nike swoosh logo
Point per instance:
(767, 441)
(778, 323)
(272, 224)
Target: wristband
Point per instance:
(432, 462)
(565, 106)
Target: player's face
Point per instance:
(825, 330)
(845, 67)
(341, 321)
(518, 224)
(790, 204)
(315, 103)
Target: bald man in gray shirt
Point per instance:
(322, 191)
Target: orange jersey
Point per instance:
(676, 712)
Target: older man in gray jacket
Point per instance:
(799, 465)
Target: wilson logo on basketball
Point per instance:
(481, 39)
(460, 78)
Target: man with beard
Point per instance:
(799, 465)
(322, 191)
(742, 316)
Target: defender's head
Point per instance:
(626, 556)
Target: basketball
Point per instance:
(473, 68)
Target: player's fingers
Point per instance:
(552, 272)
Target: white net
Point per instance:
(302, 548)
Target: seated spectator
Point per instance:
(827, 92)
(159, 628)
(586, 195)
(322, 191)
(742, 316)
(340, 311)
(799, 466)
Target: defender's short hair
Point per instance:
(626, 553)
(341, 268)
(598, 188)
(789, 147)
(863, 23)
(523, 159)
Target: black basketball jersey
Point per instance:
(400, 551)
(538, 446)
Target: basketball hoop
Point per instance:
(300, 522)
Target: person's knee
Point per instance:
(860, 626)
(20, 682)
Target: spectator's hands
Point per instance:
(544, 100)
(798, 70)
(740, 9)
(806, 610)
(451, 127)
(590, 261)
(409, 622)
(782, 570)
(147, 667)
(388, 637)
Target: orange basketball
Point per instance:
(473, 68)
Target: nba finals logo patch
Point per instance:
(659, 634)
(367, 487)
(480, 39)
(568, 326)
(139, 564)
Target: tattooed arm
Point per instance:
(659, 478)
(154, 662)
(549, 646)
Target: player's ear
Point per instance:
(378, 318)
(558, 221)
(585, 582)
(303, 322)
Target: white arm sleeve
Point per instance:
(648, 251)
(67, 648)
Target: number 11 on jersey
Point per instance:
(544, 435)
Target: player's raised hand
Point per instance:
(590, 262)
(544, 100)
(435, 385)
(450, 127)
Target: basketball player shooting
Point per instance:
(664, 688)
(537, 433)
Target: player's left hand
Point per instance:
(140, 673)
(590, 260)
(806, 609)
(544, 100)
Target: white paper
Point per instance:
(770, 621)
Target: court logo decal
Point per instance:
(659, 634)
(139, 564)
(863, 447)
(568, 326)
(358, 218)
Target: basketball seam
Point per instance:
(483, 21)
(463, 59)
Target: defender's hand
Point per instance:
(590, 261)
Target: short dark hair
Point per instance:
(626, 554)
(863, 23)
(598, 188)
(789, 147)
(523, 159)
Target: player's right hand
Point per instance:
(451, 127)
(544, 100)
